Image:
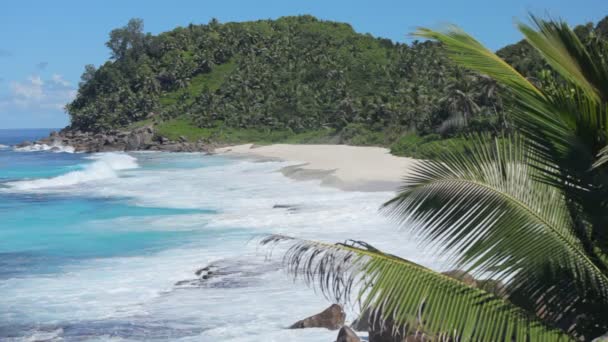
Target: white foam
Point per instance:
(3, 147)
(140, 289)
(55, 147)
(104, 166)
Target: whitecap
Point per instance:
(141, 290)
(104, 166)
(55, 147)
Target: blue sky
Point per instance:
(44, 45)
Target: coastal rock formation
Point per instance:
(228, 273)
(362, 323)
(331, 318)
(138, 139)
(346, 334)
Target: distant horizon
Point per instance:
(30, 128)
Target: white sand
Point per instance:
(346, 167)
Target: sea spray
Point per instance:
(133, 294)
(57, 148)
(104, 166)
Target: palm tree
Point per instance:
(529, 210)
(461, 99)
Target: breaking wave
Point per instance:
(104, 166)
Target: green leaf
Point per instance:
(561, 48)
(602, 158)
(486, 211)
(416, 298)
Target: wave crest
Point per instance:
(58, 148)
(104, 166)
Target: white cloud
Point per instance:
(60, 80)
(36, 93)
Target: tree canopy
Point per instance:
(296, 73)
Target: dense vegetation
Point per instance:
(240, 81)
(526, 214)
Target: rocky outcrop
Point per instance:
(346, 334)
(228, 273)
(138, 139)
(331, 318)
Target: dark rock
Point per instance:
(331, 318)
(142, 138)
(138, 139)
(346, 334)
(362, 323)
(134, 141)
(24, 144)
(282, 206)
(170, 148)
(229, 273)
(206, 270)
(289, 207)
(184, 282)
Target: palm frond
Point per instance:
(564, 129)
(531, 110)
(415, 298)
(563, 50)
(487, 212)
(467, 51)
(602, 158)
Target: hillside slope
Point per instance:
(295, 78)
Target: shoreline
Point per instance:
(348, 168)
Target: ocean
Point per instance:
(104, 247)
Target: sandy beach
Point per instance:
(354, 168)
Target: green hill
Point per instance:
(292, 79)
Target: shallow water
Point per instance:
(92, 246)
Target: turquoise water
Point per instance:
(104, 247)
(41, 232)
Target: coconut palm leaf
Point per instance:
(530, 108)
(488, 213)
(416, 298)
(602, 158)
(561, 48)
(565, 129)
